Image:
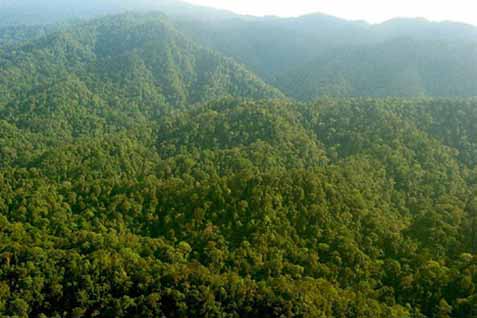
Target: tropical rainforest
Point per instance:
(196, 163)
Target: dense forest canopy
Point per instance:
(149, 171)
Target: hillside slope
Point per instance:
(401, 67)
(133, 63)
(319, 55)
(35, 12)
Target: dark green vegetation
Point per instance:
(351, 208)
(144, 175)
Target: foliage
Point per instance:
(343, 208)
(133, 185)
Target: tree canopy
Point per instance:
(143, 175)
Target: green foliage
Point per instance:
(138, 64)
(132, 186)
(344, 208)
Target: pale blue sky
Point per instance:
(370, 10)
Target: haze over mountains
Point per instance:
(180, 161)
(309, 56)
(33, 12)
(319, 55)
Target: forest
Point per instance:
(147, 172)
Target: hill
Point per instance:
(35, 12)
(271, 45)
(400, 67)
(319, 55)
(306, 57)
(139, 65)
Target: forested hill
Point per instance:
(306, 57)
(271, 45)
(36, 12)
(399, 67)
(318, 55)
(137, 62)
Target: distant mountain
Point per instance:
(422, 29)
(31, 12)
(399, 67)
(318, 55)
(306, 57)
(271, 45)
(139, 64)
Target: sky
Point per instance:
(373, 11)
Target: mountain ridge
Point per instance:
(106, 53)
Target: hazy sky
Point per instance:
(370, 10)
